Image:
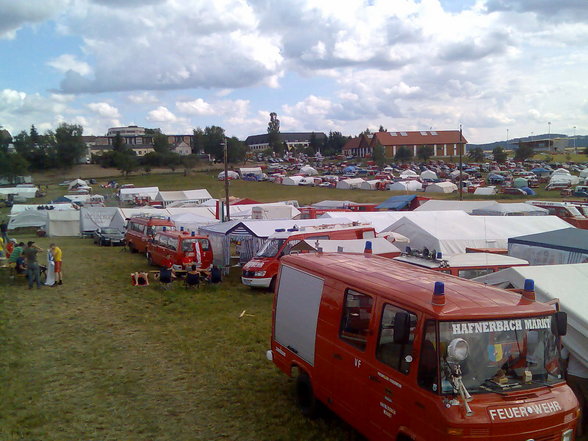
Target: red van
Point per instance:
(261, 271)
(181, 248)
(141, 229)
(404, 353)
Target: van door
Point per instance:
(387, 391)
(346, 360)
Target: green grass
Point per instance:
(98, 359)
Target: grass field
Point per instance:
(98, 359)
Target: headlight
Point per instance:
(259, 273)
(567, 435)
(458, 349)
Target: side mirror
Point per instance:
(401, 327)
(559, 323)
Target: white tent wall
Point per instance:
(369, 185)
(380, 246)
(485, 191)
(538, 255)
(292, 180)
(192, 222)
(19, 208)
(379, 220)
(411, 185)
(441, 187)
(257, 171)
(564, 282)
(510, 209)
(63, 223)
(349, 184)
(20, 192)
(429, 174)
(129, 194)
(443, 205)
(92, 218)
(28, 218)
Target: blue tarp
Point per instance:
(60, 200)
(540, 170)
(396, 202)
(349, 169)
(528, 190)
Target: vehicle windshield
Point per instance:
(574, 211)
(502, 354)
(151, 230)
(188, 244)
(270, 248)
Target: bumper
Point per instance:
(257, 282)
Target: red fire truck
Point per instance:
(261, 271)
(405, 353)
(181, 249)
(141, 229)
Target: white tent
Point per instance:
(444, 205)
(429, 175)
(191, 221)
(292, 180)
(129, 194)
(510, 209)
(168, 197)
(564, 282)
(19, 192)
(232, 175)
(28, 218)
(560, 171)
(308, 170)
(441, 187)
(584, 173)
(408, 174)
(380, 246)
(92, 218)
(255, 171)
(485, 191)
(63, 223)
(411, 185)
(77, 183)
(369, 185)
(349, 184)
(567, 245)
(451, 232)
(19, 208)
(380, 220)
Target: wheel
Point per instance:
(132, 249)
(272, 286)
(305, 398)
(149, 259)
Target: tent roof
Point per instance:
(510, 208)
(28, 218)
(380, 220)
(569, 239)
(443, 205)
(332, 204)
(479, 259)
(564, 282)
(396, 202)
(379, 245)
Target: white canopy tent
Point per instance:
(65, 223)
(92, 218)
(77, 183)
(444, 205)
(292, 180)
(129, 194)
(191, 221)
(485, 191)
(19, 192)
(19, 208)
(429, 175)
(564, 282)
(255, 171)
(308, 170)
(380, 220)
(441, 187)
(231, 174)
(28, 218)
(408, 174)
(451, 232)
(349, 184)
(411, 185)
(510, 209)
(369, 185)
(168, 197)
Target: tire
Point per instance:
(132, 249)
(307, 402)
(272, 286)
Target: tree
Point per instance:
(403, 154)
(382, 129)
(5, 139)
(214, 136)
(198, 141)
(476, 154)
(426, 152)
(118, 143)
(160, 143)
(273, 130)
(69, 145)
(499, 154)
(236, 150)
(523, 152)
(379, 155)
(314, 144)
(125, 162)
(189, 162)
(12, 165)
(334, 143)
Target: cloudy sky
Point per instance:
(495, 66)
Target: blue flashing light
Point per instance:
(439, 289)
(529, 285)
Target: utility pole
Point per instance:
(460, 165)
(224, 144)
(575, 149)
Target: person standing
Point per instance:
(4, 230)
(57, 258)
(33, 270)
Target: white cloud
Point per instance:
(104, 110)
(161, 114)
(68, 62)
(19, 13)
(196, 107)
(143, 98)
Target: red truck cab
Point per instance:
(181, 249)
(141, 229)
(404, 353)
(565, 210)
(261, 271)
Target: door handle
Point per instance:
(337, 357)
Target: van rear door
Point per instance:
(297, 308)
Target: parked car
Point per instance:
(109, 236)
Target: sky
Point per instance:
(498, 68)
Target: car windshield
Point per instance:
(502, 354)
(270, 248)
